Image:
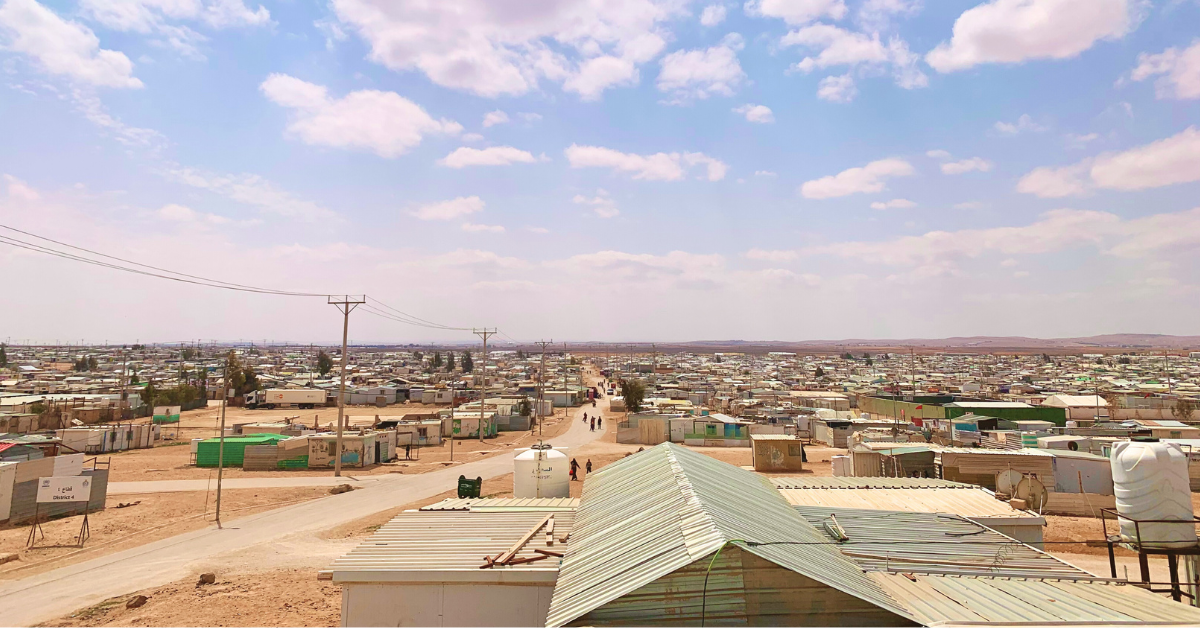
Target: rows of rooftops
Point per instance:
(742, 385)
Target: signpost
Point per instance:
(75, 488)
(166, 414)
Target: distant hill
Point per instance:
(1102, 343)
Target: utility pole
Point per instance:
(345, 306)
(542, 383)
(124, 394)
(221, 436)
(483, 333)
(453, 394)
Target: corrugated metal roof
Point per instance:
(773, 437)
(489, 504)
(976, 503)
(652, 513)
(950, 601)
(450, 546)
(801, 482)
(920, 542)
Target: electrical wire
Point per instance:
(126, 265)
(416, 318)
(170, 274)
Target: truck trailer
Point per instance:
(303, 398)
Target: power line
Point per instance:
(178, 276)
(417, 319)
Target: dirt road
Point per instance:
(52, 594)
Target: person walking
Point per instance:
(600, 422)
(589, 466)
(593, 424)
(574, 469)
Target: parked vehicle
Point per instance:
(303, 398)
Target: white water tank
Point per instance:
(1151, 482)
(541, 471)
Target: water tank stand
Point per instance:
(1175, 586)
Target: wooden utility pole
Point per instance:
(221, 435)
(542, 384)
(345, 306)
(483, 333)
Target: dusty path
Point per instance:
(52, 594)
(183, 486)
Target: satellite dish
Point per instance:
(1006, 481)
(1033, 492)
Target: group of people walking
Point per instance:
(597, 421)
(575, 468)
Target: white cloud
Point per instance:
(1168, 161)
(492, 156)
(492, 118)
(656, 167)
(383, 122)
(89, 105)
(145, 16)
(472, 137)
(537, 230)
(183, 214)
(62, 47)
(601, 203)
(771, 256)
(712, 15)
(1053, 182)
(475, 228)
(715, 169)
(530, 117)
(796, 12)
(688, 74)
(937, 153)
(941, 251)
(838, 89)
(967, 165)
(251, 189)
(764, 173)
(869, 178)
(756, 113)
(837, 47)
(840, 47)
(1078, 140)
(896, 203)
(1013, 31)
(1178, 72)
(1175, 159)
(161, 19)
(449, 210)
(19, 190)
(876, 15)
(494, 48)
(1024, 123)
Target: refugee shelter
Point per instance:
(427, 568)
(653, 527)
(777, 452)
(916, 495)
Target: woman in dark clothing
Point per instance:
(574, 469)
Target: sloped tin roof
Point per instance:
(652, 513)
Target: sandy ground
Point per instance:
(113, 529)
(283, 597)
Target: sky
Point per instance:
(606, 170)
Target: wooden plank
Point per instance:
(512, 551)
(550, 532)
(549, 553)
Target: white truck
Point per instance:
(303, 398)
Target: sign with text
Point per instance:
(64, 489)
